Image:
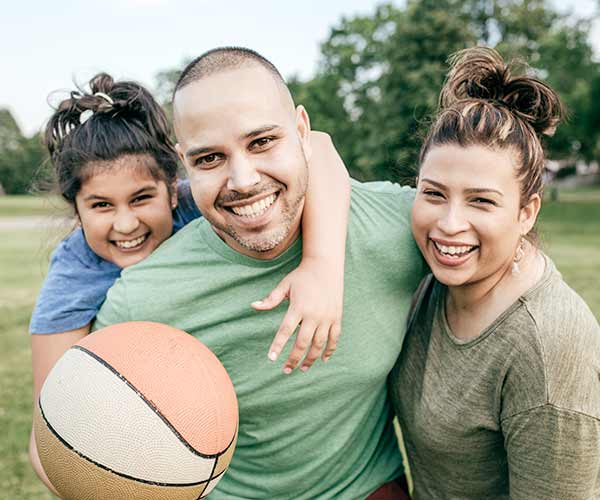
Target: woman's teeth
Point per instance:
(255, 209)
(131, 243)
(453, 251)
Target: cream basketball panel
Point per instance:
(76, 478)
(131, 439)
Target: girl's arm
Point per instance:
(45, 352)
(316, 288)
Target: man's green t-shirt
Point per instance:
(322, 434)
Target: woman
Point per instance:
(497, 388)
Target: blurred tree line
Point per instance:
(379, 75)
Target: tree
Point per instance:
(380, 75)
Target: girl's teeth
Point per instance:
(255, 209)
(131, 243)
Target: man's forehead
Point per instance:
(249, 84)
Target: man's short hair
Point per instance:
(222, 59)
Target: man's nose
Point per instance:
(453, 220)
(242, 173)
(126, 221)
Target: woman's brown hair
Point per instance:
(483, 103)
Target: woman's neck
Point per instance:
(472, 308)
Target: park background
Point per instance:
(375, 70)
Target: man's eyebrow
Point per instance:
(468, 190)
(195, 151)
(198, 150)
(260, 130)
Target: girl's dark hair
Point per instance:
(482, 103)
(122, 119)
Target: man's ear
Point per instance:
(303, 128)
(528, 214)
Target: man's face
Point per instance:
(244, 148)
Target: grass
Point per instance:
(17, 206)
(570, 232)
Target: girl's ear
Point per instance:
(528, 214)
(174, 198)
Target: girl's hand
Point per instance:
(315, 292)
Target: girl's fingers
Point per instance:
(286, 330)
(332, 341)
(276, 297)
(303, 341)
(318, 343)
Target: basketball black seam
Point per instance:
(151, 406)
(121, 474)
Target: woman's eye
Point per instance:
(101, 204)
(432, 193)
(484, 201)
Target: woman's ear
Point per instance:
(528, 214)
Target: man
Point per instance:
(326, 433)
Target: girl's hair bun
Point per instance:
(480, 73)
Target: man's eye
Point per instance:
(208, 160)
(261, 142)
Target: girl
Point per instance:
(497, 388)
(116, 166)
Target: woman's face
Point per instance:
(125, 213)
(466, 217)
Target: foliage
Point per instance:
(377, 84)
(20, 157)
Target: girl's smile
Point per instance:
(124, 211)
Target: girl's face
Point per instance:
(125, 213)
(467, 218)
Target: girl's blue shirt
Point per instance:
(78, 279)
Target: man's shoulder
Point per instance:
(382, 189)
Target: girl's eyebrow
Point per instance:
(468, 190)
(143, 189)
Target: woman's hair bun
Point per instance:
(480, 73)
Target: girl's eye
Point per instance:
(141, 198)
(101, 204)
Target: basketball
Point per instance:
(137, 410)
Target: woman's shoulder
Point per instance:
(564, 337)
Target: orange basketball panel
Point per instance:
(144, 353)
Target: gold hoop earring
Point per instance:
(518, 256)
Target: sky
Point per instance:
(47, 45)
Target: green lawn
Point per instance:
(16, 206)
(570, 233)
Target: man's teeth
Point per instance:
(131, 243)
(255, 209)
(454, 251)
